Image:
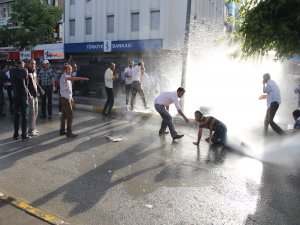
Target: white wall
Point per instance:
(172, 19)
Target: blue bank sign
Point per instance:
(115, 46)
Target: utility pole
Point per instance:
(185, 47)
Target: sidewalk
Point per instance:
(18, 212)
(9, 214)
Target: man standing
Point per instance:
(33, 87)
(162, 103)
(67, 101)
(109, 77)
(19, 80)
(136, 86)
(2, 84)
(128, 80)
(47, 81)
(272, 94)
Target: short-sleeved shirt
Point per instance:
(273, 92)
(46, 77)
(108, 78)
(19, 81)
(167, 98)
(128, 80)
(136, 73)
(65, 87)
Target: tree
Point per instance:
(30, 24)
(270, 25)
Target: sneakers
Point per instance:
(178, 136)
(163, 133)
(71, 135)
(32, 134)
(59, 113)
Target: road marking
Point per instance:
(31, 210)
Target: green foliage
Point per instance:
(270, 25)
(30, 24)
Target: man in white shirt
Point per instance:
(162, 103)
(136, 86)
(272, 94)
(109, 77)
(128, 80)
(67, 101)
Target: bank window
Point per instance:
(72, 27)
(110, 24)
(72, 2)
(135, 20)
(88, 26)
(155, 20)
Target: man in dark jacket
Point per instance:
(19, 80)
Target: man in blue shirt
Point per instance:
(272, 94)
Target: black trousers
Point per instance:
(110, 100)
(47, 97)
(271, 111)
(20, 107)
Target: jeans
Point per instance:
(167, 119)
(20, 107)
(136, 87)
(220, 134)
(32, 114)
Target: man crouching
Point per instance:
(217, 130)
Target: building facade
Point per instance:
(152, 30)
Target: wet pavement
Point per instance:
(143, 179)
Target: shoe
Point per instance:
(25, 137)
(36, 131)
(104, 113)
(62, 132)
(178, 136)
(33, 134)
(71, 135)
(163, 133)
(49, 117)
(131, 108)
(59, 113)
(16, 136)
(147, 107)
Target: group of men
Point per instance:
(26, 84)
(133, 76)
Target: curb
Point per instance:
(31, 210)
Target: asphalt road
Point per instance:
(143, 179)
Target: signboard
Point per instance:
(25, 55)
(4, 55)
(115, 46)
(54, 54)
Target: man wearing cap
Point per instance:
(47, 82)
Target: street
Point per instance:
(143, 179)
